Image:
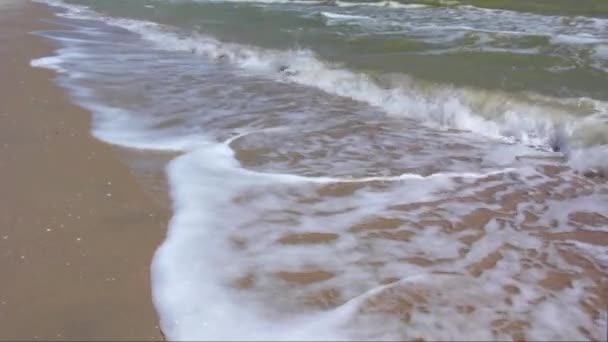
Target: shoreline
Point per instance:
(77, 244)
(78, 231)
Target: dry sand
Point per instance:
(77, 231)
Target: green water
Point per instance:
(557, 48)
(596, 8)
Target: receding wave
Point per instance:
(489, 113)
(385, 4)
(549, 123)
(340, 16)
(376, 244)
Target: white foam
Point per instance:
(340, 16)
(270, 2)
(584, 39)
(195, 304)
(50, 62)
(187, 283)
(385, 4)
(601, 51)
(591, 158)
(601, 56)
(520, 121)
(444, 107)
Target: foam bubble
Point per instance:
(340, 16)
(50, 62)
(594, 159)
(577, 39)
(602, 51)
(385, 4)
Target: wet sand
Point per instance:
(77, 231)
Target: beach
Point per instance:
(308, 170)
(77, 230)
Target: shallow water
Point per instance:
(360, 171)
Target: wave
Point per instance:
(578, 39)
(385, 4)
(197, 308)
(489, 113)
(270, 2)
(533, 120)
(191, 270)
(340, 16)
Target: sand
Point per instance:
(77, 231)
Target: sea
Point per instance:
(360, 170)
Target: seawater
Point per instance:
(391, 170)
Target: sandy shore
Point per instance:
(77, 232)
